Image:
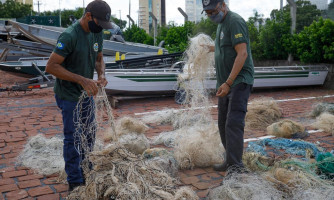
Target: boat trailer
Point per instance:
(39, 82)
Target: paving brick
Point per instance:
(17, 194)
(11, 155)
(64, 194)
(189, 180)
(8, 188)
(61, 187)
(29, 183)
(50, 181)
(49, 197)
(202, 185)
(39, 191)
(195, 172)
(6, 181)
(30, 177)
(7, 169)
(14, 174)
(202, 193)
(14, 139)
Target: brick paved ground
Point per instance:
(23, 115)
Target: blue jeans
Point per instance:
(72, 143)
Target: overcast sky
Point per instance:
(244, 7)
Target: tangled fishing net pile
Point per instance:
(43, 155)
(119, 174)
(119, 171)
(325, 122)
(287, 129)
(195, 139)
(262, 113)
(320, 108)
(130, 133)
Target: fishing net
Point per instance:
(119, 174)
(262, 113)
(246, 186)
(200, 67)
(198, 146)
(257, 162)
(130, 133)
(293, 147)
(287, 129)
(91, 116)
(326, 164)
(320, 108)
(165, 116)
(325, 122)
(43, 155)
(163, 158)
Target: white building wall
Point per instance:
(321, 4)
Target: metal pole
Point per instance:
(184, 14)
(120, 18)
(59, 15)
(130, 19)
(155, 26)
(129, 12)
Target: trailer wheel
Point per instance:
(180, 96)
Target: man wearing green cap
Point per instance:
(235, 78)
(77, 53)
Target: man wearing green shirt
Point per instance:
(235, 78)
(77, 54)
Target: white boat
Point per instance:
(148, 81)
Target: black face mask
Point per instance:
(93, 27)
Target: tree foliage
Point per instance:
(306, 14)
(13, 9)
(177, 37)
(121, 24)
(316, 43)
(138, 35)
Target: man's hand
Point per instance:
(89, 86)
(223, 90)
(102, 81)
(209, 47)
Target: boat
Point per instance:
(49, 35)
(151, 81)
(132, 61)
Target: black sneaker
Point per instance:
(221, 167)
(72, 186)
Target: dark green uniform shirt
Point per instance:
(80, 50)
(232, 31)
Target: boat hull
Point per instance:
(153, 82)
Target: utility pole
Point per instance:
(59, 15)
(83, 4)
(155, 27)
(120, 19)
(293, 11)
(38, 4)
(281, 5)
(129, 12)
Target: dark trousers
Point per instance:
(231, 122)
(72, 143)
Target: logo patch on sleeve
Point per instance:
(239, 35)
(96, 47)
(60, 45)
